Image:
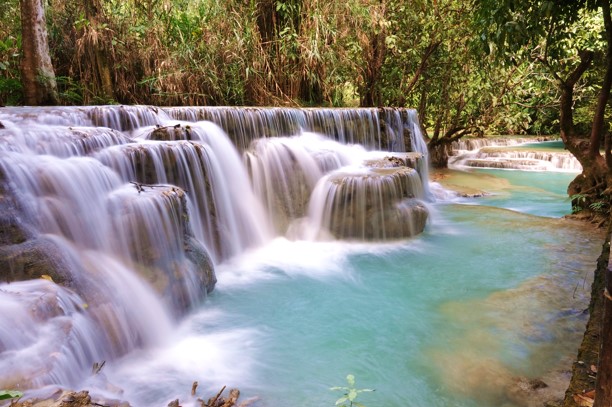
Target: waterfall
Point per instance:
(285, 171)
(375, 128)
(114, 217)
(513, 154)
(376, 202)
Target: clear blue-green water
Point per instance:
(457, 316)
(539, 193)
(543, 145)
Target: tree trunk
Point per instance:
(439, 153)
(374, 60)
(37, 75)
(598, 129)
(97, 54)
(591, 183)
(603, 386)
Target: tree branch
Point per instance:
(604, 93)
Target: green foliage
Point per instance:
(472, 65)
(578, 200)
(599, 206)
(70, 93)
(593, 202)
(10, 394)
(10, 53)
(349, 399)
(549, 36)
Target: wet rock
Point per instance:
(35, 258)
(171, 133)
(535, 392)
(394, 160)
(377, 205)
(68, 398)
(198, 255)
(536, 384)
(152, 225)
(13, 229)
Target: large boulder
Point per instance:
(151, 225)
(36, 258)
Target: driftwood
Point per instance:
(230, 401)
(83, 399)
(141, 186)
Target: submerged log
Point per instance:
(219, 401)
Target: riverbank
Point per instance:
(584, 371)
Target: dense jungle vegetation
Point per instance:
(431, 55)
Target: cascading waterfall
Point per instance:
(371, 204)
(512, 154)
(51, 327)
(376, 128)
(224, 210)
(129, 207)
(285, 170)
(469, 144)
(150, 232)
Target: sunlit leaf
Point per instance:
(350, 379)
(341, 400)
(10, 394)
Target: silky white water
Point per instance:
(491, 293)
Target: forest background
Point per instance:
(435, 56)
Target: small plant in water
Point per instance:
(350, 393)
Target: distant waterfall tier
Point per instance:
(514, 154)
(470, 144)
(389, 129)
(375, 128)
(376, 202)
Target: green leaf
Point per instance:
(341, 400)
(10, 394)
(352, 395)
